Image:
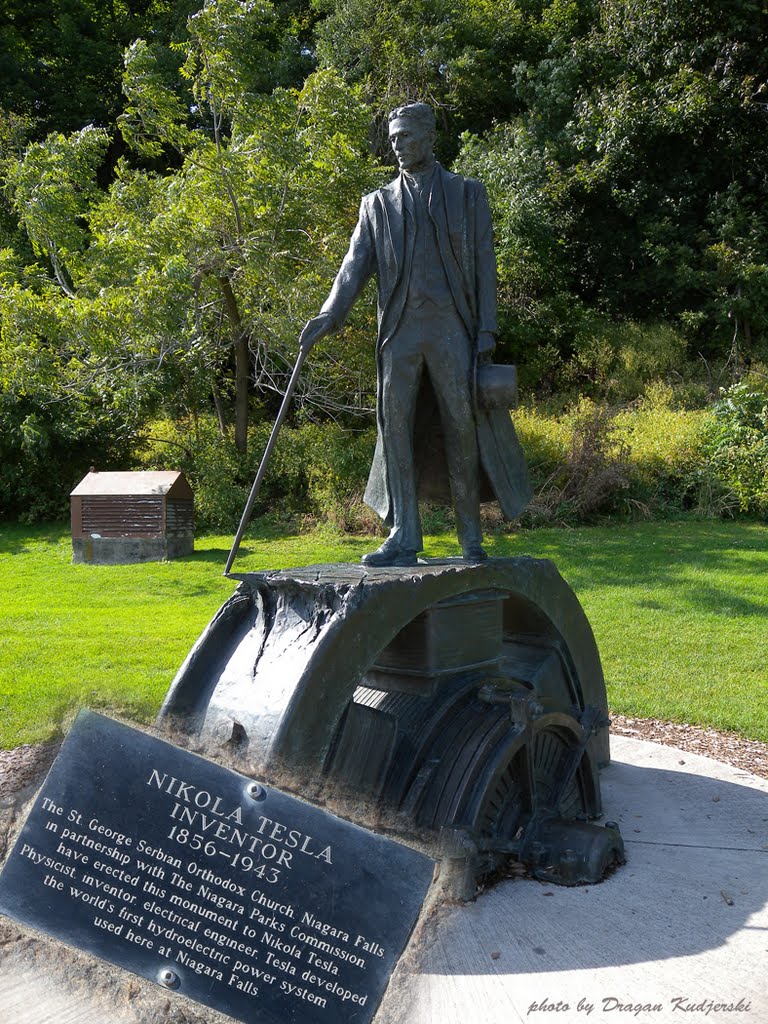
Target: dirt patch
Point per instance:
(23, 765)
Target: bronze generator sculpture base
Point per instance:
(469, 698)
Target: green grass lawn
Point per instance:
(678, 609)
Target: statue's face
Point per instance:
(412, 143)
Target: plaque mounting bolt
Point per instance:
(168, 978)
(255, 791)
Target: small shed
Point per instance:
(132, 517)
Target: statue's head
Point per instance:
(412, 135)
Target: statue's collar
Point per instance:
(421, 180)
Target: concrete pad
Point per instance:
(681, 928)
(28, 996)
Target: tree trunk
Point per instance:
(242, 364)
(221, 416)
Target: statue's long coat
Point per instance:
(382, 244)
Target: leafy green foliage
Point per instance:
(648, 461)
(62, 59)
(662, 129)
(172, 291)
(55, 419)
(51, 189)
(738, 444)
(628, 180)
(316, 471)
(467, 57)
(259, 213)
(45, 448)
(161, 260)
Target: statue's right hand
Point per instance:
(318, 327)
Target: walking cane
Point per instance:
(246, 516)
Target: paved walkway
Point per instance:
(682, 928)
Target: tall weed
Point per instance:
(646, 460)
(589, 474)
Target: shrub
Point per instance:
(337, 463)
(545, 440)
(620, 360)
(47, 447)
(667, 456)
(737, 443)
(220, 476)
(649, 459)
(317, 470)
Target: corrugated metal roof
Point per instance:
(141, 482)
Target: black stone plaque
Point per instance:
(235, 894)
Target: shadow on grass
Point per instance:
(16, 539)
(666, 558)
(217, 555)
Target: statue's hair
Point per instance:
(422, 113)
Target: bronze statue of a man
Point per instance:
(427, 236)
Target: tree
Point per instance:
(177, 291)
(194, 283)
(160, 250)
(645, 145)
(469, 58)
(264, 184)
(62, 60)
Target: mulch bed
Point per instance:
(750, 755)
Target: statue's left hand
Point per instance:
(486, 343)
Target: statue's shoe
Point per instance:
(389, 554)
(474, 553)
